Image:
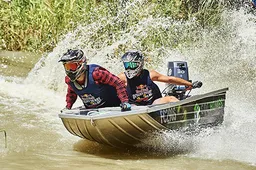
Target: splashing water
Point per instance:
(228, 60)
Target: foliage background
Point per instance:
(37, 25)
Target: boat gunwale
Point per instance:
(71, 114)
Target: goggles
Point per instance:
(131, 65)
(72, 66)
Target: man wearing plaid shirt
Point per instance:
(95, 85)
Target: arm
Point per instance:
(71, 96)
(101, 75)
(155, 76)
(123, 78)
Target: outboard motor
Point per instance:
(177, 69)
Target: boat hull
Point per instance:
(118, 129)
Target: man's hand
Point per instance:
(125, 106)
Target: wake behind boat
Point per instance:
(112, 127)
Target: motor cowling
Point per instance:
(177, 69)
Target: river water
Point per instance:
(32, 92)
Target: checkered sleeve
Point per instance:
(102, 76)
(71, 96)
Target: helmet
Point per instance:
(133, 63)
(74, 63)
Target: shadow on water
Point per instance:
(155, 146)
(128, 153)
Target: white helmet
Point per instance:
(133, 63)
(74, 62)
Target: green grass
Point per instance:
(38, 25)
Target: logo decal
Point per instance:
(90, 101)
(142, 93)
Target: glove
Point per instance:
(125, 106)
(197, 84)
(65, 109)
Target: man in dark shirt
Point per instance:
(96, 86)
(140, 82)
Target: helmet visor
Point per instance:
(72, 66)
(131, 65)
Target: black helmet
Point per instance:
(74, 63)
(133, 63)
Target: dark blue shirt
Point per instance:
(142, 90)
(95, 95)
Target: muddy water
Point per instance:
(37, 139)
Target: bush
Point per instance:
(37, 25)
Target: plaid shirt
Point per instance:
(100, 76)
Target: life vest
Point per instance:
(96, 95)
(142, 90)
